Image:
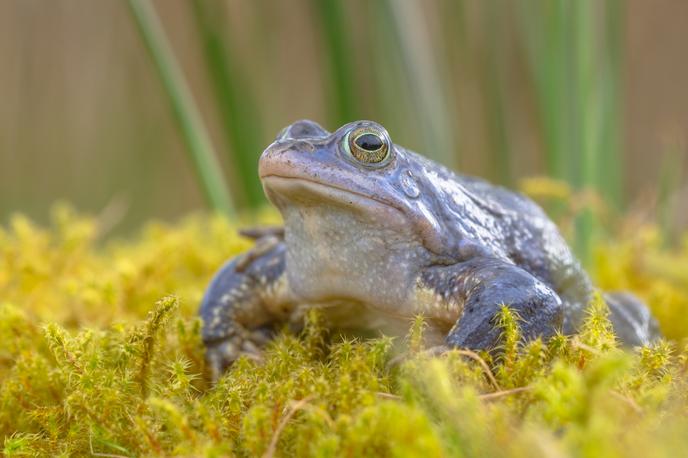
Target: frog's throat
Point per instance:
(284, 191)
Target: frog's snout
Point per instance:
(286, 153)
(283, 157)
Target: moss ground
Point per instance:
(100, 355)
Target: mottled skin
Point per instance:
(375, 243)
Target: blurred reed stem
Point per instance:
(669, 184)
(342, 97)
(586, 112)
(240, 121)
(431, 108)
(612, 108)
(494, 91)
(198, 143)
(390, 95)
(575, 68)
(545, 37)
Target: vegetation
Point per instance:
(396, 63)
(100, 354)
(193, 131)
(100, 348)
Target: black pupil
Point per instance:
(369, 142)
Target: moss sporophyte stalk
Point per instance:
(100, 353)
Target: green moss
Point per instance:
(100, 352)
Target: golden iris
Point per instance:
(368, 146)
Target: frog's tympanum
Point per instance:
(375, 234)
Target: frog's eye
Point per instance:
(369, 145)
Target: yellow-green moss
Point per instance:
(100, 353)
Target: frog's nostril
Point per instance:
(301, 145)
(285, 146)
(302, 129)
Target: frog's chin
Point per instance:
(289, 192)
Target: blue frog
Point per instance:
(375, 234)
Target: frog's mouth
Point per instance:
(289, 191)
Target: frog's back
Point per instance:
(511, 226)
(534, 243)
(497, 200)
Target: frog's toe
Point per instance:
(220, 356)
(222, 353)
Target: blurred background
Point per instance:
(591, 93)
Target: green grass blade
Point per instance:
(199, 146)
(586, 112)
(389, 94)
(433, 112)
(342, 80)
(670, 178)
(240, 121)
(611, 184)
(494, 92)
(573, 50)
(543, 27)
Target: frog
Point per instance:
(375, 234)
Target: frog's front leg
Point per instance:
(478, 288)
(243, 303)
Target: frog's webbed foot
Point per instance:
(238, 307)
(481, 286)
